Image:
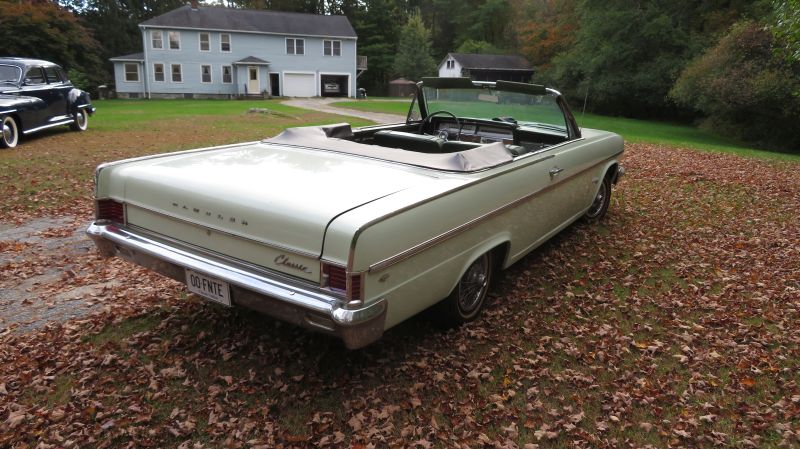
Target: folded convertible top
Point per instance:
(474, 159)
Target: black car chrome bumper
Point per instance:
(282, 297)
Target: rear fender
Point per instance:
(79, 99)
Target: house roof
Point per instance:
(130, 57)
(252, 60)
(254, 21)
(490, 62)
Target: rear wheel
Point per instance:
(81, 122)
(466, 301)
(9, 135)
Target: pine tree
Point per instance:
(414, 60)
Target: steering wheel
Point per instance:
(428, 117)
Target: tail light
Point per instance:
(111, 210)
(337, 279)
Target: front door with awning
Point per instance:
(251, 73)
(253, 83)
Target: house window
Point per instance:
(332, 48)
(205, 73)
(174, 40)
(227, 76)
(131, 72)
(205, 43)
(225, 42)
(451, 64)
(295, 46)
(177, 76)
(157, 39)
(158, 72)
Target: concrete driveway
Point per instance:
(323, 105)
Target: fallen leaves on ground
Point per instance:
(676, 322)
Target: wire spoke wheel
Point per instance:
(601, 201)
(465, 302)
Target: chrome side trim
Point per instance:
(416, 249)
(8, 111)
(293, 301)
(32, 130)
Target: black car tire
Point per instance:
(81, 122)
(601, 201)
(9, 132)
(465, 302)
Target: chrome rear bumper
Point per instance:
(271, 293)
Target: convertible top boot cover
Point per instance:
(475, 159)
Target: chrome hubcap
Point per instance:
(81, 119)
(473, 285)
(8, 133)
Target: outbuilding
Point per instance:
(480, 67)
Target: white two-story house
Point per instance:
(216, 52)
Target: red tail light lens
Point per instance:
(336, 278)
(354, 290)
(110, 210)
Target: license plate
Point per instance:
(208, 287)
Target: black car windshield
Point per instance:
(489, 103)
(9, 73)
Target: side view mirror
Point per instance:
(26, 81)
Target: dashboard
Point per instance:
(476, 132)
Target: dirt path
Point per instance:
(323, 105)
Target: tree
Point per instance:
(378, 29)
(744, 88)
(545, 28)
(787, 27)
(480, 47)
(414, 58)
(46, 31)
(629, 54)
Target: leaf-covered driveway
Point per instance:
(674, 323)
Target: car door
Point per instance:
(57, 97)
(34, 85)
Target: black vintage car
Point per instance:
(36, 95)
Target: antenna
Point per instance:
(585, 98)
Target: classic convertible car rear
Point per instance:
(351, 231)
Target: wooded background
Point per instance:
(733, 65)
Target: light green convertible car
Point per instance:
(351, 231)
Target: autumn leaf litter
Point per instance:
(676, 322)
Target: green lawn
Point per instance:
(127, 114)
(632, 130)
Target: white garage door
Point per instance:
(299, 85)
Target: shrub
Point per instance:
(745, 89)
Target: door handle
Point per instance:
(555, 171)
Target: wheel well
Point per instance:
(499, 254)
(18, 120)
(611, 173)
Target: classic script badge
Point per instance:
(285, 261)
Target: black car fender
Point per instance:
(79, 99)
